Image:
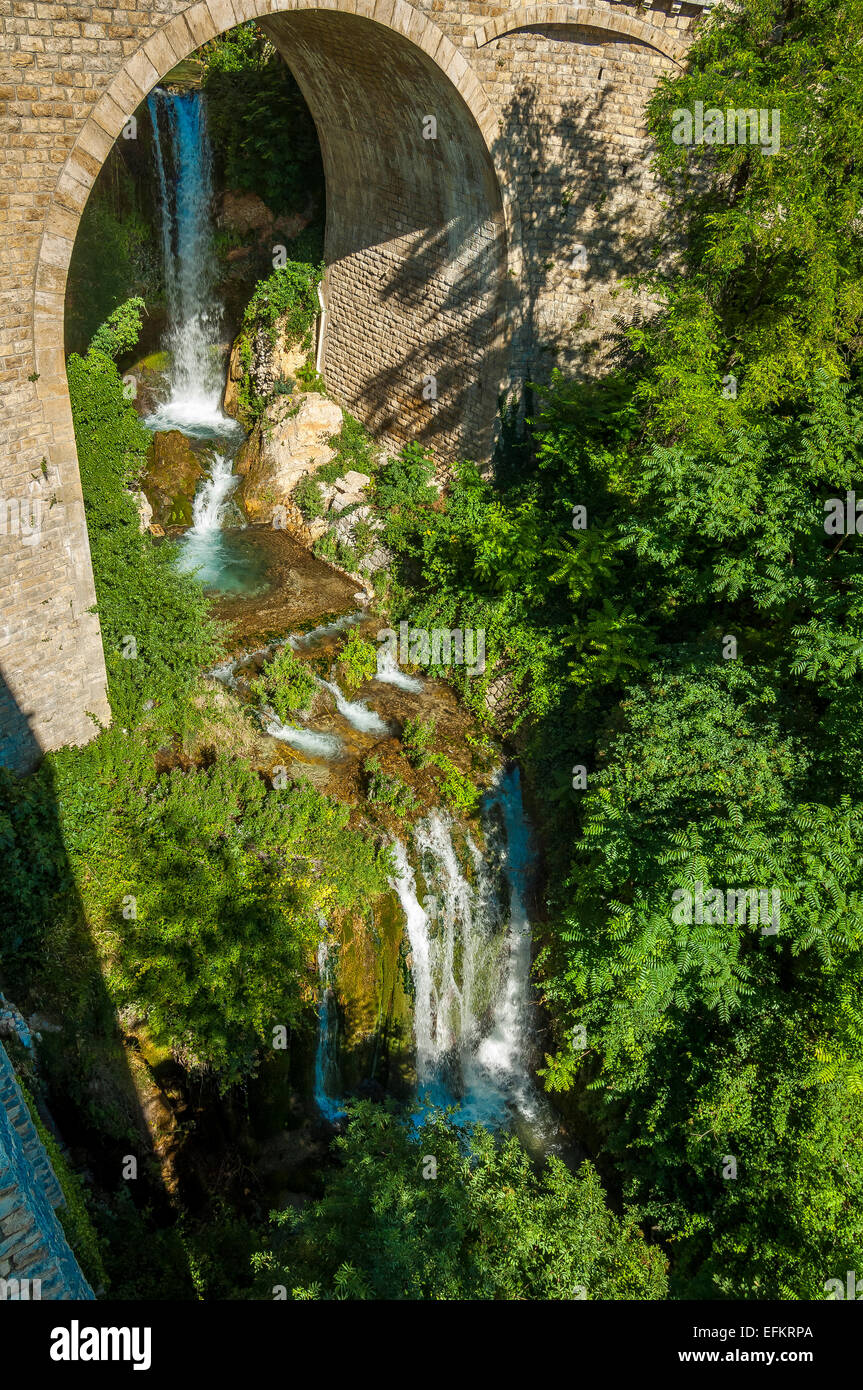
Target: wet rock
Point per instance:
(145, 380)
(287, 443)
(172, 476)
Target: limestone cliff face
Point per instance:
(291, 439)
(274, 359)
(33, 1246)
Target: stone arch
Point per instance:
(416, 229)
(586, 17)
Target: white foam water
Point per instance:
(327, 1077)
(308, 741)
(357, 714)
(184, 166)
(391, 673)
(471, 968)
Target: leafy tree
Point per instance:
(156, 626)
(121, 329)
(263, 133)
(358, 660)
(425, 1214)
(286, 683)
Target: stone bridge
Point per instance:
(479, 247)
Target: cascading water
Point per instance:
(356, 712)
(204, 550)
(390, 673)
(213, 498)
(327, 1079)
(184, 168)
(471, 969)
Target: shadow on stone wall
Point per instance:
(19, 747)
(78, 1066)
(459, 300)
(574, 188)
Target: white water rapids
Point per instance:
(470, 966)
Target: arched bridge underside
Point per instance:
(481, 257)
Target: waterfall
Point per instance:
(213, 497)
(356, 712)
(184, 170)
(327, 1080)
(307, 741)
(202, 550)
(391, 674)
(470, 965)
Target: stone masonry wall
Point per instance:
(33, 1246)
(482, 258)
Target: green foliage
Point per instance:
(121, 330)
(358, 660)
(486, 1225)
(388, 789)
(286, 683)
(310, 378)
(286, 303)
(729, 769)
(290, 291)
(418, 736)
(228, 878)
(405, 482)
(772, 288)
(456, 788)
(140, 595)
(307, 495)
(263, 133)
(355, 449)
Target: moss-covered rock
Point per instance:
(172, 477)
(375, 1006)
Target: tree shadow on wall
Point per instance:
(79, 1069)
(584, 226)
(457, 301)
(581, 227)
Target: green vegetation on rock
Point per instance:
(422, 1214)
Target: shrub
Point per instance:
(289, 294)
(286, 683)
(121, 329)
(456, 788)
(387, 789)
(307, 495)
(140, 595)
(417, 739)
(493, 1225)
(358, 661)
(406, 480)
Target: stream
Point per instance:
(459, 895)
